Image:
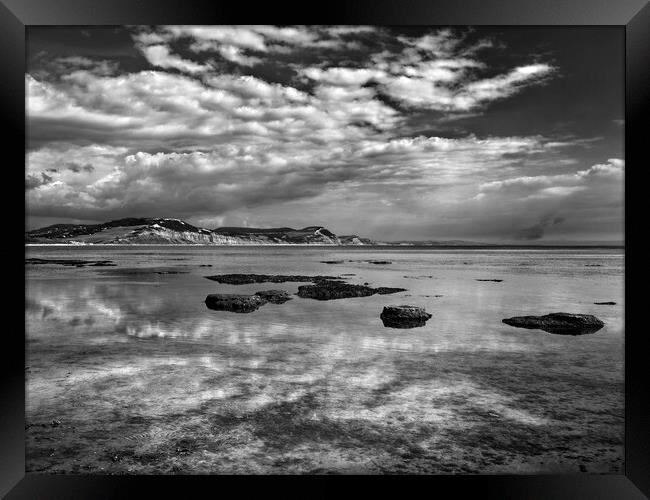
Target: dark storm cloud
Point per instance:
(536, 231)
(365, 126)
(76, 168)
(32, 181)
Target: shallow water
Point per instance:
(129, 372)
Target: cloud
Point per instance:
(240, 44)
(236, 176)
(288, 125)
(236, 55)
(536, 231)
(590, 200)
(32, 181)
(76, 168)
(431, 71)
(202, 105)
(160, 56)
(559, 184)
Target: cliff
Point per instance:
(143, 231)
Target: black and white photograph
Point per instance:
(324, 249)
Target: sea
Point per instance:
(128, 372)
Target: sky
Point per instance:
(501, 134)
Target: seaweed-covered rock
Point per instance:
(329, 290)
(404, 316)
(71, 262)
(274, 296)
(387, 290)
(558, 323)
(234, 303)
(244, 279)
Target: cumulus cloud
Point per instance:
(559, 184)
(161, 57)
(433, 84)
(232, 176)
(239, 44)
(431, 71)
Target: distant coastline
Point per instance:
(367, 246)
(175, 232)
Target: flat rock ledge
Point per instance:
(274, 296)
(245, 303)
(245, 279)
(233, 302)
(404, 316)
(330, 290)
(558, 323)
(71, 262)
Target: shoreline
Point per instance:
(443, 247)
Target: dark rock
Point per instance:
(379, 261)
(233, 302)
(329, 290)
(332, 261)
(244, 279)
(205, 265)
(274, 296)
(496, 281)
(71, 262)
(605, 303)
(386, 290)
(404, 316)
(558, 323)
(143, 271)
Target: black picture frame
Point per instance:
(631, 15)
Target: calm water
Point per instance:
(129, 372)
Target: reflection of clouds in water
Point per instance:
(308, 365)
(435, 402)
(101, 308)
(335, 344)
(157, 329)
